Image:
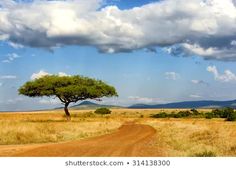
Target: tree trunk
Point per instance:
(67, 111)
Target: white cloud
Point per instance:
(8, 77)
(1, 84)
(195, 81)
(198, 50)
(218, 53)
(61, 74)
(15, 45)
(145, 99)
(38, 75)
(43, 73)
(195, 96)
(227, 76)
(11, 57)
(172, 75)
(208, 33)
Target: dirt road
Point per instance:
(130, 140)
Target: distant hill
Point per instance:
(91, 105)
(188, 104)
(184, 104)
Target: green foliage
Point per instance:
(231, 116)
(160, 115)
(67, 88)
(180, 114)
(184, 114)
(195, 112)
(222, 113)
(102, 111)
(209, 115)
(227, 113)
(217, 113)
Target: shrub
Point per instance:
(222, 113)
(194, 111)
(231, 116)
(176, 115)
(184, 113)
(209, 115)
(217, 113)
(160, 115)
(227, 112)
(102, 111)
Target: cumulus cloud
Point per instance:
(49, 24)
(172, 75)
(227, 76)
(11, 57)
(38, 75)
(43, 73)
(15, 45)
(8, 77)
(226, 53)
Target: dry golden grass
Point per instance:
(195, 137)
(175, 137)
(44, 127)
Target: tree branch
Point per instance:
(63, 101)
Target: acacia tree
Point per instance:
(67, 89)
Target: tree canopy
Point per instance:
(67, 88)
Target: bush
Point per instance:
(217, 113)
(160, 115)
(231, 116)
(102, 111)
(194, 111)
(180, 114)
(222, 113)
(176, 115)
(227, 113)
(209, 115)
(184, 114)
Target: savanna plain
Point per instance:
(174, 137)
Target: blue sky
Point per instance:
(159, 67)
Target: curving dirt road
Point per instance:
(130, 140)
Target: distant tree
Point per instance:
(67, 89)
